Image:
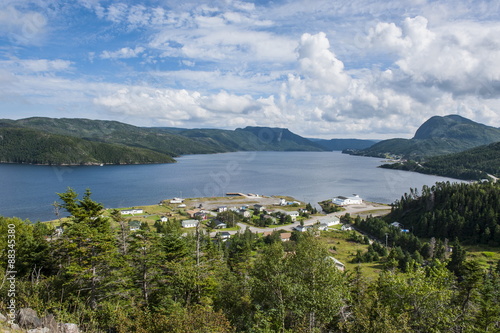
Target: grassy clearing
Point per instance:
(345, 250)
(485, 255)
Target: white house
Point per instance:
(323, 227)
(224, 235)
(134, 225)
(164, 219)
(132, 211)
(340, 266)
(221, 209)
(344, 201)
(190, 223)
(220, 225)
(346, 227)
(397, 225)
(245, 213)
(176, 201)
(293, 215)
(332, 221)
(259, 208)
(301, 228)
(282, 202)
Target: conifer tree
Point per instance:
(87, 248)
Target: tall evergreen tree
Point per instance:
(87, 248)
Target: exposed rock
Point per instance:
(49, 322)
(27, 318)
(69, 328)
(2, 318)
(15, 327)
(40, 330)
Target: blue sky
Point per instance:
(330, 69)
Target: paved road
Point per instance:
(373, 209)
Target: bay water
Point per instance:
(29, 191)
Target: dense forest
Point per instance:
(83, 139)
(21, 145)
(106, 278)
(473, 164)
(469, 212)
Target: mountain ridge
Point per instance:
(437, 136)
(81, 138)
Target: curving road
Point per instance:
(365, 209)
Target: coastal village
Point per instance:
(267, 216)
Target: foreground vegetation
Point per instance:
(108, 279)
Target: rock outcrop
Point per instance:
(28, 321)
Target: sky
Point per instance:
(368, 69)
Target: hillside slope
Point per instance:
(473, 164)
(22, 145)
(114, 132)
(161, 143)
(437, 136)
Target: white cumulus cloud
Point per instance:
(22, 27)
(123, 53)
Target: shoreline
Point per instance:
(152, 213)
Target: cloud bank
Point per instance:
(341, 69)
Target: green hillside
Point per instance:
(473, 164)
(280, 139)
(115, 132)
(21, 145)
(161, 143)
(437, 136)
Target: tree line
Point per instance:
(469, 212)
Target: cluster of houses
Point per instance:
(198, 214)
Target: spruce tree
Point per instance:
(87, 248)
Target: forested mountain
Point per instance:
(106, 278)
(169, 141)
(249, 139)
(473, 164)
(114, 132)
(437, 136)
(469, 212)
(23, 145)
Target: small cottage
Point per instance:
(134, 225)
(190, 223)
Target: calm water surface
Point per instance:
(28, 191)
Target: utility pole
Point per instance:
(386, 234)
(198, 244)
